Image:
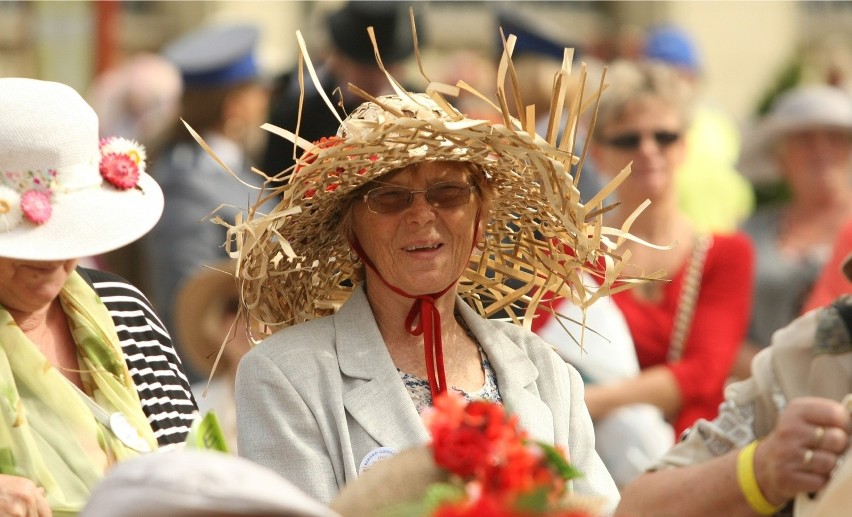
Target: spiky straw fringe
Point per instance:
(294, 266)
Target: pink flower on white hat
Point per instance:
(122, 161)
(35, 205)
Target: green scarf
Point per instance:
(47, 432)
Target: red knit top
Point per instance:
(718, 327)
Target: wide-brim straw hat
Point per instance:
(200, 306)
(49, 145)
(805, 107)
(294, 265)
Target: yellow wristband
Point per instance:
(748, 482)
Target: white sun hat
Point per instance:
(63, 192)
(198, 483)
(805, 107)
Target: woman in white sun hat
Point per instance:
(87, 372)
(806, 142)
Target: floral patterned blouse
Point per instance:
(421, 395)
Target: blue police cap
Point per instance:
(674, 46)
(217, 55)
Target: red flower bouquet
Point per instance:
(479, 464)
(496, 469)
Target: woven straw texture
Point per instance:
(293, 265)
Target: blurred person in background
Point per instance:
(206, 322)
(687, 330)
(711, 192)
(628, 439)
(225, 101)
(832, 283)
(806, 140)
(87, 371)
(137, 99)
(349, 59)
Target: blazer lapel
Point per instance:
(516, 375)
(377, 399)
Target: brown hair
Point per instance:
(630, 82)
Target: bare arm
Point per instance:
(655, 385)
(708, 488)
(780, 468)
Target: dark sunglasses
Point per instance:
(631, 141)
(394, 198)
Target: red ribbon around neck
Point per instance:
(429, 325)
(430, 320)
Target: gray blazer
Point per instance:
(315, 399)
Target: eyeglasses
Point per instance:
(394, 198)
(631, 141)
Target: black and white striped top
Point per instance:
(151, 359)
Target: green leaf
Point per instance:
(558, 461)
(206, 433)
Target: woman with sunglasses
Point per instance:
(686, 329)
(372, 281)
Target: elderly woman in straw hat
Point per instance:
(392, 243)
(88, 375)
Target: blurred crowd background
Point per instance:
(739, 54)
(746, 47)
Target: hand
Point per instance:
(802, 450)
(20, 497)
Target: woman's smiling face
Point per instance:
(421, 248)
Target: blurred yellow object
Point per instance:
(711, 191)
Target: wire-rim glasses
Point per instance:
(388, 199)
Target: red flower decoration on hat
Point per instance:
(120, 171)
(310, 157)
(503, 472)
(122, 161)
(35, 204)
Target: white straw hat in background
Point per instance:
(805, 107)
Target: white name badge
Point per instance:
(375, 456)
(124, 431)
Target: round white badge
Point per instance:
(129, 436)
(375, 456)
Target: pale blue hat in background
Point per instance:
(674, 46)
